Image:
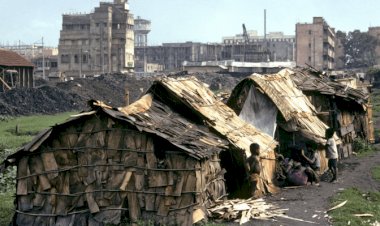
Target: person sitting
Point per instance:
(312, 157)
(296, 175)
(312, 177)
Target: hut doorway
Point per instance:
(237, 184)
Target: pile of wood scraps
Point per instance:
(243, 210)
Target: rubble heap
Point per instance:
(73, 95)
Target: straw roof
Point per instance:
(196, 97)
(313, 81)
(295, 107)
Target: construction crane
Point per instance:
(246, 42)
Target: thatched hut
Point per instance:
(164, 158)
(346, 109)
(275, 105)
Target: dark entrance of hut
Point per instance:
(237, 184)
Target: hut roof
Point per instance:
(313, 81)
(159, 112)
(193, 95)
(298, 112)
(12, 59)
(195, 140)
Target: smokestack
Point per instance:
(265, 24)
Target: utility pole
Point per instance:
(43, 59)
(101, 47)
(80, 61)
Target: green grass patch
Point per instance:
(357, 203)
(10, 140)
(6, 208)
(376, 173)
(362, 148)
(28, 127)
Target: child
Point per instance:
(332, 153)
(253, 168)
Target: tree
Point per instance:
(359, 48)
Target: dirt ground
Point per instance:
(310, 203)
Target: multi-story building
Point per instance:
(315, 44)
(141, 28)
(375, 32)
(98, 42)
(172, 55)
(274, 46)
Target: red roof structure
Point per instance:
(12, 59)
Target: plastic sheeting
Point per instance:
(260, 111)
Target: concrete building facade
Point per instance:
(273, 48)
(315, 44)
(141, 28)
(98, 42)
(172, 55)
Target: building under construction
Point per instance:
(98, 42)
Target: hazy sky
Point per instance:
(188, 20)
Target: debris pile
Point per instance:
(242, 210)
(73, 95)
(43, 100)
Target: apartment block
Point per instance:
(315, 44)
(98, 42)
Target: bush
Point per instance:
(6, 208)
(7, 179)
(361, 146)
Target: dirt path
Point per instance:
(310, 202)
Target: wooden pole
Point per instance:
(126, 96)
(5, 84)
(12, 79)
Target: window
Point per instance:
(54, 64)
(309, 32)
(309, 45)
(76, 59)
(84, 59)
(309, 59)
(65, 59)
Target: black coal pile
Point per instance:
(42, 100)
(216, 81)
(219, 82)
(73, 95)
(110, 89)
